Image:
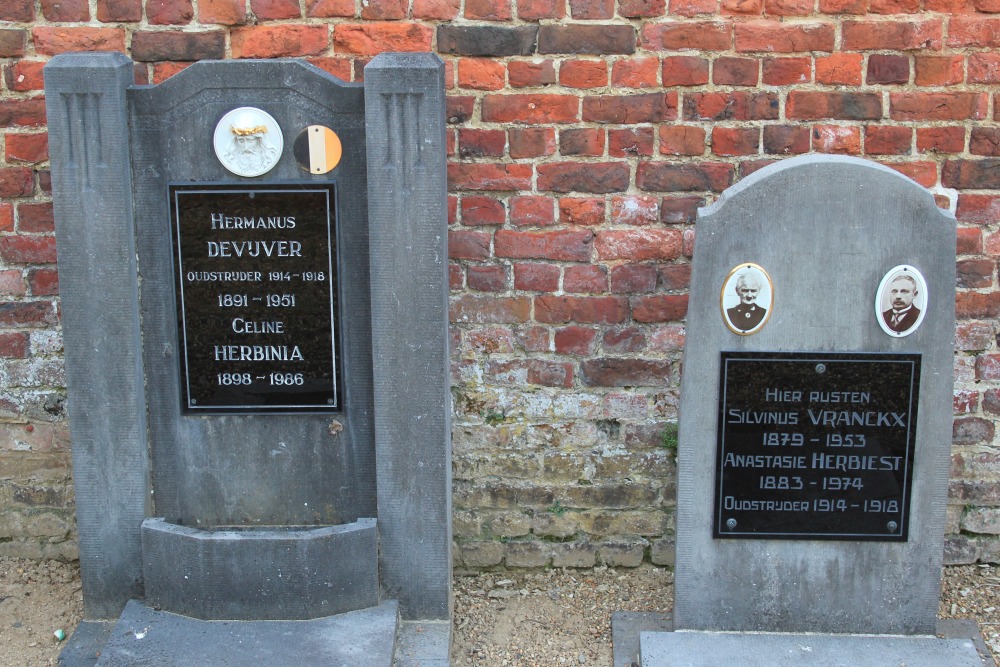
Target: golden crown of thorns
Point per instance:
(247, 131)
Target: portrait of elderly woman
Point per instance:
(746, 299)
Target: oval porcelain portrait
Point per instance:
(901, 301)
(746, 299)
(248, 141)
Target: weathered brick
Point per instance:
(370, 39)
(630, 142)
(973, 336)
(978, 209)
(633, 278)
(778, 37)
(682, 140)
(786, 71)
(593, 177)
(586, 39)
(569, 245)
(489, 177)
(969, 241)
(985, 141)
(976, 305)
(628, 372)
(974, 31)
(482, 211)
(464, 244)
(497, 41)
(630, 109)
(459, 108)
(678, 210)
(591, 9)
(182, 46)
(685, 71)
(634, 210)
(473, 143)
(531, 211)
(521, 74)
(527, 142)
(639, 244)
(659, 308)
(27, 314)
(635, 72)
(481, 74)
(735, 72)
(279, 41)
(534, 10)
(584, 211)
(730, 141)
(35, 218)
(43, 282)
(467, 308)
(233, 12)
(941, 139)
(839, 69)
(29, 148)
(938, 106)
(17, 10)
(52, 40)
(583, 73)
(668, 177)
(575, 340)
(530, 109)
(560, 309)
(688, 35)
(810, 105)
(16, 182)
(272, 10)
(583, 141)
(527, 554)
(68, 10)
(13, 42)
(486, 278)
(634, 9)
(938, 70)
(693, 7)
(786, 139)
(903, 35)
(536, 277)
(887, 69)
(981, 174)
(24, 76)
(742, 7)
(737, 105)
(924, 173)
(6, 219)
(975, 273)
(488, 10)
(972, 430)
(435, 10)
(888, 140)
(624, 340)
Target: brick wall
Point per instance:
(583, 136)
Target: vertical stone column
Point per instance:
(407, 209)
(85, 97)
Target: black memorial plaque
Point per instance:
(256, 297)
(815, 445)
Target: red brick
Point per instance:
(233, 12)
(14, 345)
(984, 67)
(6, 217)
(575, 340)
(593, 39)
(673, 277)
(24, 76)
(487, 278)
(778, 37)
(985, 141)
(948, 6)
(971, 430)
(50, 41)
(480, 74)
(626, 372)
(35, 218)
(811, 105)
(482, 211)
(553, 309)
(735, 72)
(568, 246)
(838, 139)
(370, 39)
(843, 6)
(536, 277)
(640, 244)
(383, 10)
(630, 109)
(17, 10)
(679, 210)
(67, 10)
(533, 339)
(625, 340)
(338, 67)
(531, 371)
(178, 46)
(587, 279)
(488, 10)
(659, 308)
(839, 69)
(988, 367)
(892, 35)
(270, 10)
(477, 309)
(731, 141)
(894, 6)
(43, 282)
(978, 209)
(113, 11)
(967, 402)
(28, 249)
(887, 69)
(664, 177)
(987, 6)
(940, 139)
(685, 71)
(693, 7)
(635, 210)
(30, 148)
(434, 10)
(973, 336)
(974, 31)
(533, 10)
(969, 241)
(742, 7)
(788, 7)
(489, 177)
(635, 72)
(688, 35)
(786, 139)
(527, 142)
(938, 106)
(975, 273)
(924, 173)
(938, 70)
(523, 74)
(634, 9)
(977, 305)
(531, 109)
(276, 41)
(481, 143)
(12, 42)
(583, 73)
(583, 141)
(169, 12)
(591, 9)
(736, 105)
(583, 211)
(468, 245)
(165, 70)
(630, 142)
(596, 177)
(633, 278)
(16, 182)
(531, 211)
(888, 140)
(786, 71)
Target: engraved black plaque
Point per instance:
(815, 445)
(256, 297)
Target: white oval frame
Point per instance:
(222, 139)
(767, 289)
(881, 301)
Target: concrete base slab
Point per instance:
(626, 627)
(423, 644)
(709, 649)
(85, 644)
(144, 636)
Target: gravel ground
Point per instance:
(525, 619)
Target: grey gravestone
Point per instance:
(276, 507)
(826, 229)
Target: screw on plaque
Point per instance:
(194, 401)
(820, 368)
(892, 526)
(731, 524)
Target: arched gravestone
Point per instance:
(814, 445)
(259, 413)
